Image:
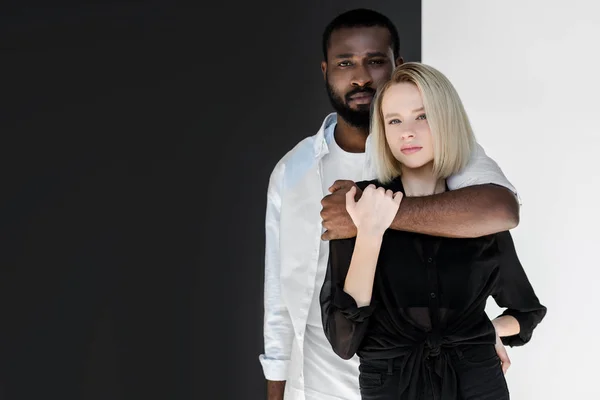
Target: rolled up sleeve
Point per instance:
(480, 170)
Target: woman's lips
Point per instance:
(410, 149)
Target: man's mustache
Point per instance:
(362, 90)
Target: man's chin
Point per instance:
(357, 117)
(362, 107)
(359, 105)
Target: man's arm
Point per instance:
(275, 390)
(472, 211)
(481, 201)
(468, 212)
(278, 329)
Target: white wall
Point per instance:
(528, 72)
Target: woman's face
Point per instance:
(406, 128)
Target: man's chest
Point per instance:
(334, 167)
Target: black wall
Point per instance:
(136, 143)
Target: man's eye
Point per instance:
(378, 61)
(344, 64)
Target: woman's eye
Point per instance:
(394, 121)
(422, 117)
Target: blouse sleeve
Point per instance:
(344, 323)
(515, 293)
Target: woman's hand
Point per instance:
(375, 210)
(502, 353)
(505, 326)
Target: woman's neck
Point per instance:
(421, 182)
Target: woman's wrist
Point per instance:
(370, 235)
(506, 325)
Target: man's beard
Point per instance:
(359, 118)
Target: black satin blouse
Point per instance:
(429, 296)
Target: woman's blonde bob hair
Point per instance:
(453, 138)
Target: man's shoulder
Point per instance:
(302, 150)
(296, 160)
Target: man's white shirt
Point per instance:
(296, 349)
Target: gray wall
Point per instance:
(136, 145)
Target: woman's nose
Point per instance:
(408, 134)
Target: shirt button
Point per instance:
(429, 259)
(432, 295)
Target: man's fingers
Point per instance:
(340, 184)
(350, 198)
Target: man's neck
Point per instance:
(350, 138)
(421, 182)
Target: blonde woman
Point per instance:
(412, 306)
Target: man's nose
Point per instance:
(362, 77)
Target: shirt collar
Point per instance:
(320, 146)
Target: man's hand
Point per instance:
(336, 219)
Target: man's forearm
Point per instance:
(275, 390)
(468, 212)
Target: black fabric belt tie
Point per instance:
(433, 346)
(428, 360)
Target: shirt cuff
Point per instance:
(348, 307)
(274, 370)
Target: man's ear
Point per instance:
(324, 69)
(399, 61)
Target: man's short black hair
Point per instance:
(360, 18)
